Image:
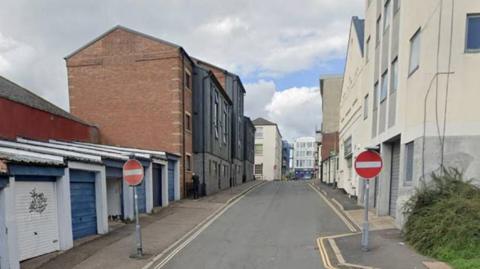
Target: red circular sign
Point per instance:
(133, 172)
(368, 164)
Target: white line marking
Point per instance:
(195, 233)
(368, 164)
(133, 172)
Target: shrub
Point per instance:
(443, 219)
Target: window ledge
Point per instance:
(413, 71)
(472, 51)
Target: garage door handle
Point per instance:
(35, 233)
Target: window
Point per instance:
(225, 123)
(383, 92)
(365, 107)
(414, 53)
(375, 96)
(396, 5)
(367, 50)
(387, 11)
(259, 169)
(377, 38)
(394, 78)
(259, 149)
(409, 162)
(259, 132)
(188, 80)
(215, 114)
(188, 121)
(473, 33)
(188, 162)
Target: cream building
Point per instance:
(413, 95)
(304, 150)
(268, 150)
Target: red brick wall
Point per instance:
(329, 144)
(19, 120)
(131, 87)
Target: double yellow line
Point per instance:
(323, 253)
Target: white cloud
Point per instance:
(297, 111)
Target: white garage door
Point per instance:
(36, 216)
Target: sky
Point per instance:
(280, 49)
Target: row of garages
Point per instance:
(52, 193)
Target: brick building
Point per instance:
(137, 89)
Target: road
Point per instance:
(273, 226)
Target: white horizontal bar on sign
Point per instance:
(133, 172)
(368, 165)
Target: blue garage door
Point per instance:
(171, 180)
(82, 195)
(142, 200)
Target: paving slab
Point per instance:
(387, 250)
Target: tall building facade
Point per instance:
(148, 93)
(268, 150)
(304, 157)
(410, 92)
(286, 155)
(331, 91)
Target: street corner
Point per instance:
(345, 251)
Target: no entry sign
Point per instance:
(133, 172)
(368, 164)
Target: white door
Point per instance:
(36, 217)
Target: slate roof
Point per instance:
(16, 93)
(359, 25)
(262, 121)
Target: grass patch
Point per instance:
(444, 220)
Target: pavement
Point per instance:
(387, 248)
(159, 230)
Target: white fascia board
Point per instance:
(102, 154)
(152, 152)
(33, 156)
(57, 152)
(99, 147)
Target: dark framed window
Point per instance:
(365, 107)
(409, 147)
(188, 122)
(375, 96)
(188, 162)
(377, 37)
(414, 53)
(188, 80)
(387, 11)
(384, 89)
(473, 33)
(367, 50)
(396, 5)
(394, 78)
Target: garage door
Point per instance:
(114, 197)
(171, 180)
(394, 179)
(83, 202)
(142, 207)
(36, 218)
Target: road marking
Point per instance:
(194, 233)
(339, 214)
(337, 252)
(337, 203)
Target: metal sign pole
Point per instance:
(365, 223)
(138, 235)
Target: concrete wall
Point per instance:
(331, 90)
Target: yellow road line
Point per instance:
(339, 214)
